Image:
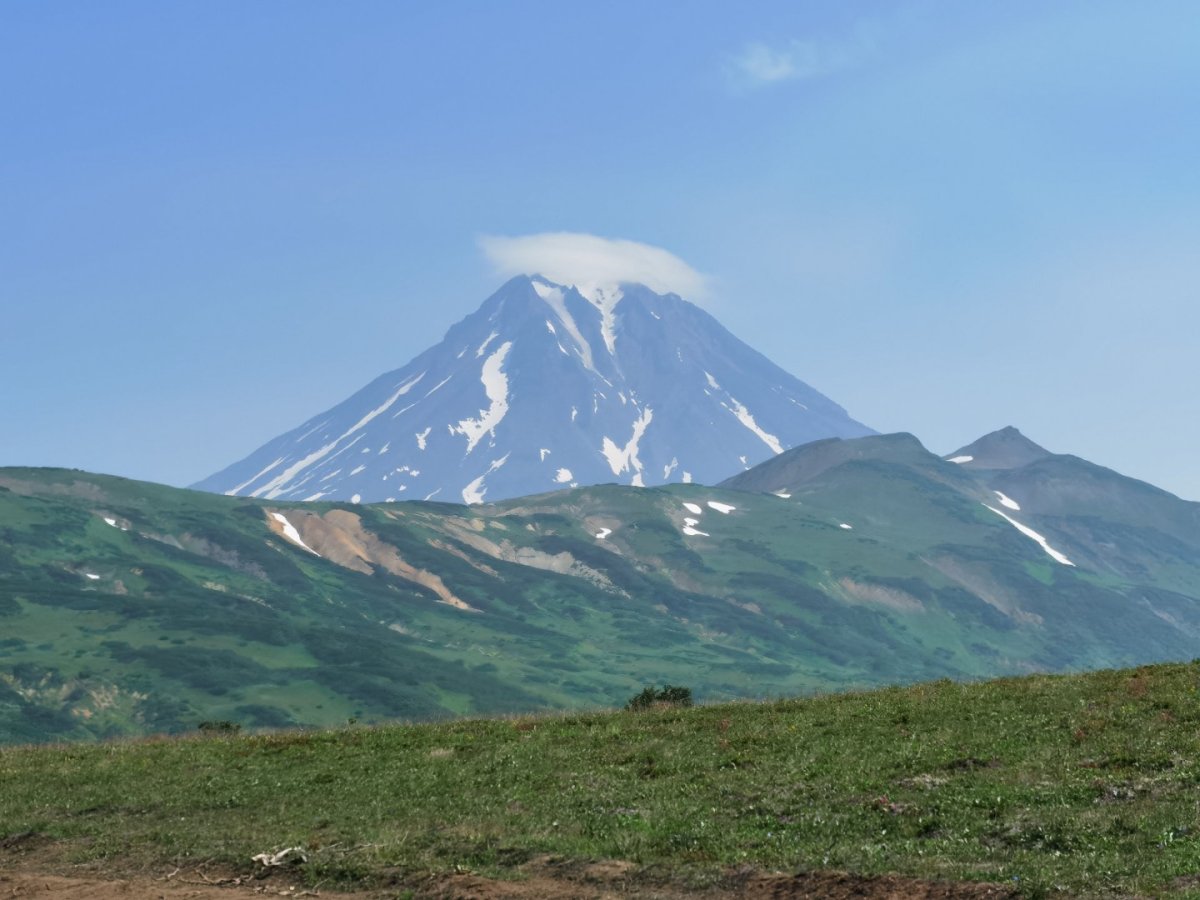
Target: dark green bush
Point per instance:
(651, 698)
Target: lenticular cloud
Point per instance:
(571, 258)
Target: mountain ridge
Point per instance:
(548, 385)
(130, 607)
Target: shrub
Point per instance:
(221, 727)
(671, 695)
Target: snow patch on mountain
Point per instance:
(495, 386)
(744, 416)
(289, 531)
(249, 481)
(622, 459)
(482, 347)
(1033, 535)
(605, 298)
(383, 407)
(556, 300)
(1007, 501)
(274, 487)
(475, 490)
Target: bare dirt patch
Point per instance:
(604, 880)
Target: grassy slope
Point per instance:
(1087, 783)
(199, 612)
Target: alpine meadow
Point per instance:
(542, 451)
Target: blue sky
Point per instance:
(219, 218)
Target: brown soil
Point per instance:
(542, 881)
(32, 865)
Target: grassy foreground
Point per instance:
(1088, 783)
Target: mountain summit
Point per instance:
(1003, 449)
(549, 385)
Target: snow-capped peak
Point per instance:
(605, 298)
(550, 385)
(603, 295)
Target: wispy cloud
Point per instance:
(572, 258)
(758, 64)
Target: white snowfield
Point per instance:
(90, 576)
(474, 491)
(783, 495)
(554, 298)
(693, 532)
(745, 417)
(605, 298)
(723, 508)
(603, 533)
(622, 459)
(960, 459)
(1030, 533)
(693, 508)
(482, 347)
(290, 532)
(495, 385)
(843, 525)
(1007, 501)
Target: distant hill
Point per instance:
(132, 608)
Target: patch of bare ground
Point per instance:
(33, 874)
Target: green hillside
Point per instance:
(1076, 785)
(130, 608)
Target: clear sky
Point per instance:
(219, 218)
